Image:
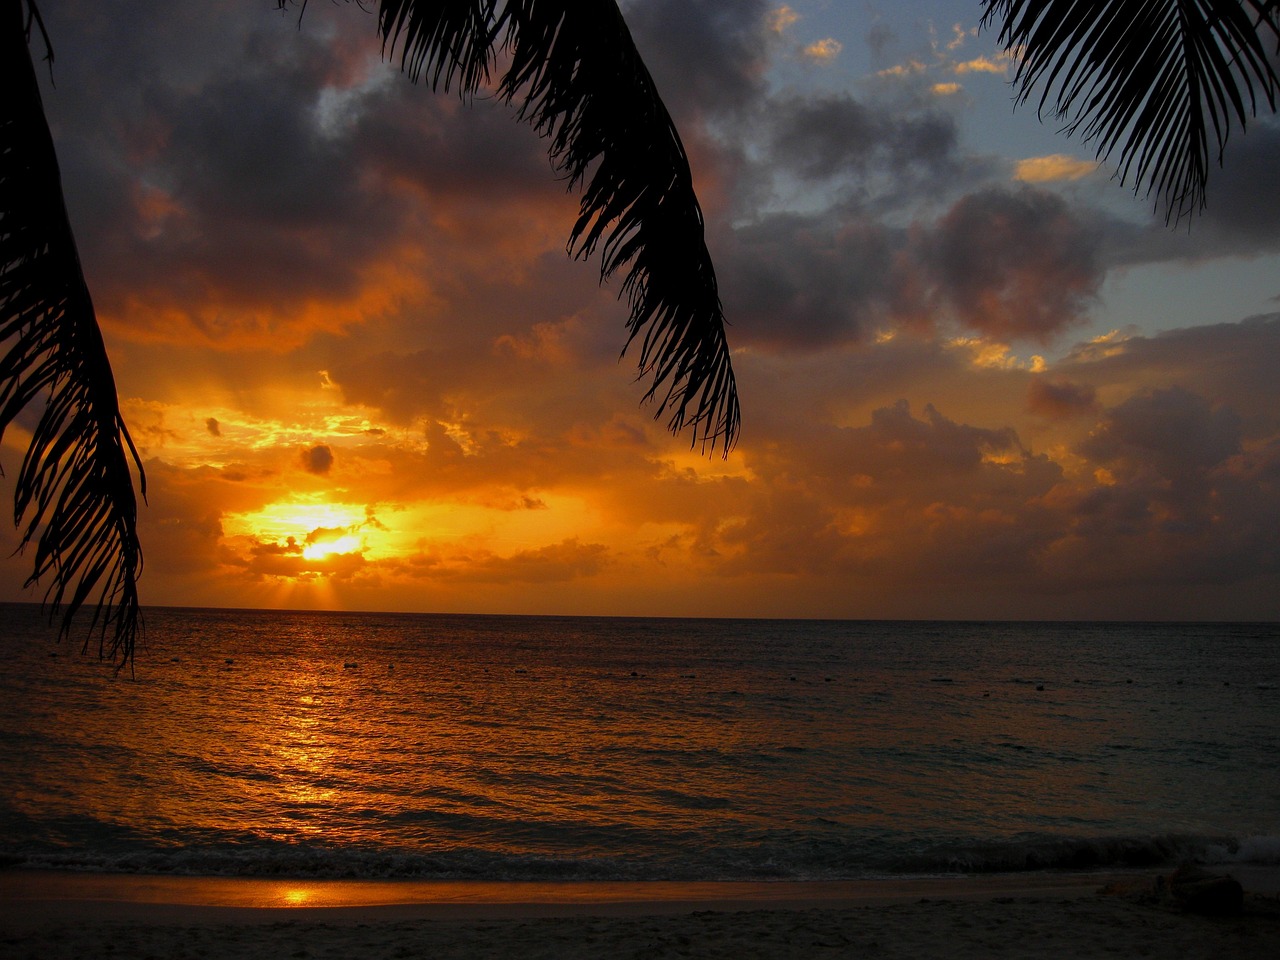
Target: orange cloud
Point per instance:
(823, 51)
(1057, 166)
(984, 65)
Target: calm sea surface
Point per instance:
(372, 745)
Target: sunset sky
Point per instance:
(979, 377)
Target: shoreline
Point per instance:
(48, 915)
(50, 892)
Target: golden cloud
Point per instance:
(984, 65)
(781, 19)
(1055, 166)
(823, 51)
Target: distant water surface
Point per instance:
(474, 747)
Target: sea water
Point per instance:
(536, 748)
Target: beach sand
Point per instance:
(50, 916)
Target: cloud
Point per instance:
(1007, 264)
(823, 51)
(782, 19)
(837, 134)
(1231, 363)
(1057, 166)
(1173, 430)
(211, 425)
(1014, 264)
(1243, 195)
(705, 55)
(559, 562)
(317, 459)
(999, 65)
(1060, 399)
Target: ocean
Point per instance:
(266, 743)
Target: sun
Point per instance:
(312, 530)
(320, 548)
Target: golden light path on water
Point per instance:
(327, 747)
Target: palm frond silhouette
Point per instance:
(574, 73)
(1158, 83)
(73, 494)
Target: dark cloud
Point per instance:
(879, 37)
(317, 460)
(1173, 430)
(1233, 364)
(211, 425)
(1060, 399)
(1166, 453)
(326, 534)
(837, 135)
(272, 187)
(1242, 218)
(1244, 195)
(1007, 264)
(806, 281)
(1013, 264)
(705, 55)
(934, 446)
(208, 180)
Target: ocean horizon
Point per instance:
(505, 747)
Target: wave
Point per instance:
(1056, 853)
(772, 861)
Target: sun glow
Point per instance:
(299, 518)
(310, 532)
(321, 548)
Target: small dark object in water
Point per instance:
(351, 666)
(1039, 686)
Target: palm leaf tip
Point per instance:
(573, 72)
(1157, 83)
(73, 494)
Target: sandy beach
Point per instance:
(51, 916)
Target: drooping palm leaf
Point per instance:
(573, 71)
(1147, 78)
(73, 494)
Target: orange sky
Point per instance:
(979, 379)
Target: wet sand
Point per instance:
(63, 915)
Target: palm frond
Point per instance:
(73, 494)
(574, 73)
(1160, 83)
